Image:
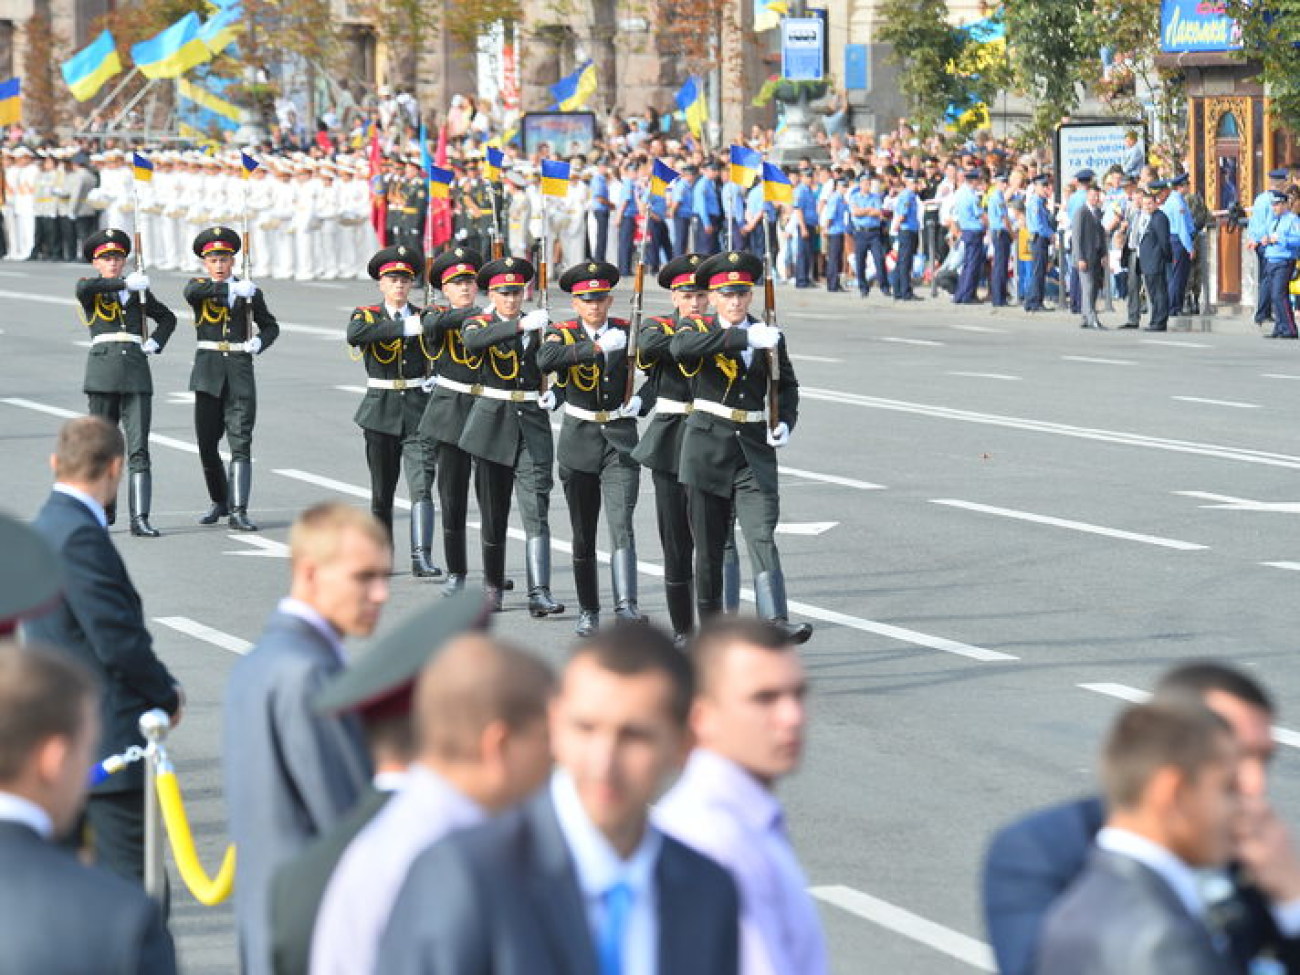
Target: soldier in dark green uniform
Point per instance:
(453, 272)
(391, 340)
(728, 459)
(509, 430)
(661, 446)
(408, 204)
(476, 202)
(226, 310)
(118, 383)
(598, 436)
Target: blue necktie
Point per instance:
(613, 926)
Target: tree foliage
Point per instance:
(43, 108)
(1270, 34)
(1055, 50)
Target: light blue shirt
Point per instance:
(1076, 200)
(599, 193)
(95, 507)
(682, 193)
(599, 867)
(755, 203)
(906, 211)
(1040, 223)
(1286, 228)
(805, 201)
(1180, 219)
(733, 201)
(1261, 213)
(966, 209)
(706, 203)
(997, 210)
(836, 213)
(862, 199)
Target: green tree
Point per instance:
(1270, 34)
(1055, 50)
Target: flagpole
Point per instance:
(638, 291)
(106, 101)
(139, 252)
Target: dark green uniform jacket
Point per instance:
(496, 427)
(448, 410)
(216, 320)
(120, 367)
(660, 448)
(389, 355)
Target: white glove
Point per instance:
(547, 401)
(631, 408)
(137, 281)
(778, 437)
(534, 320)
(150, 347)
(429, 384)
(614, 340)
(412, 325)
(243, 288)
(255, 344)
(763, 336)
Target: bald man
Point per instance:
(482, 746)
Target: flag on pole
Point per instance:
(87, 70)
(426, 160)
(776, 185)
(768, 14)
(220, 30)
(172, 52)
(745, 164)
(661, 174)
(207, 109)
(572, 91)
(493, 164)
(555, 178)
(690, 99)
(247, 163)
(439, 182)
(11, 102)
(142, 167)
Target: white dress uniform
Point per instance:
(260, 203)
(366, 241)
(162, 249)
(327, 234)
(283, 196)
(115, 183)
(173, 216)
(24, 195)
(306, 189)
(572, 220)
(196, 213)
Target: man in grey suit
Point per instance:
(57, 915)
(576, 881)
(1088, 247)
(1170, 776)
(290, 772)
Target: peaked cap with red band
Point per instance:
(106, 243)
(590, 278)
(679, 274)
(505, 274)
(455, 263)
(730, 271)
(396, 260)
(216, 240)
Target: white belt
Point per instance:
(116, 337)
(490, 392)
(671, 406)
(727, 413)
(223, 346)
(394, 383)
(591, 416)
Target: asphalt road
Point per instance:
(984, 512)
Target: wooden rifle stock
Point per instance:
(139, 266)
(634, 331)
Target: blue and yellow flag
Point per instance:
(555, 178)
(87, 70)
(173, 52)
(440, 182)
(206, 109)
(572, 92)
(776, 185)
(247, 164)
(690, 99)
(745, 164)
(768, 14)
(660, 176)
(493, 164)
(220, 30)
(142, 166)
(11, 102)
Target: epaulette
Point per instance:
(621, 322)
(370, 308)
(571, 324)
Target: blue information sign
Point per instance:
(1197, 25)
(803, 49)
(855, 67)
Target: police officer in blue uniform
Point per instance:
(1039, 220)
(1000, 237)
(970, 219)
(867, 209)
(1281, 244)
(1261, 213)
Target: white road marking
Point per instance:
(183, 624)
(316, 331)
(987, 375)
(83, 344)
(181, 397)
(1290, 566)
(1234, 404)
(1098, 360)
(964, 948)
(830, 479)
(359, 390)
(1206, 496)
(805, 527)
(1240, 454)
(814, 358)
(902, 341)
(1279, 375)
(979, 328)
(1176, 343)
(326, 284)
(1078, 526)
(42, 299)
(887, 630)
(28, 404)
(1229, 503)
(1283, 736)
(266, 548)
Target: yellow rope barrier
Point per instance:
(206, 890)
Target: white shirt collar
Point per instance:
(16, 809)
(1165, 864)
(598, 865)
(743, 323)
(312, 617)
(95, 507)
(389, 781)
(399, 312)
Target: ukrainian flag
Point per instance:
(11, 102)
(205, 108)
(776, 185)
(745, 165)
(142, 167)
(439, 182)
(248, 163)
(690, 99)
(555, 178)
(495, 160)
(768, 13)
(173, 52)
(87, 70)
(571, 93)
(221, 29)
(660, 176)
(195, 135)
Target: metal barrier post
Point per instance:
(154, 726)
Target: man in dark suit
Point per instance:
(1154, 254)
(1088, 248)
(1170, 772)
(100, 620)
(576, 881)
(728, 451)
(1030, 862)
(291, 773)
(57, 915)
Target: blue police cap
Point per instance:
(1277, 173)
(1179, 180)
(1084, 176)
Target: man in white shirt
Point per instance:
(1170, 777)
(483, 746)
(749, 718)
